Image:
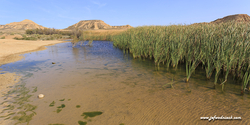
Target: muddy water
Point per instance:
(99, 85)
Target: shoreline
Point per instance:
(11, 51)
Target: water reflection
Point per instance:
(76, 53)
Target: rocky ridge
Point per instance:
(94, 24)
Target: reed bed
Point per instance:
(90, 35)
(222, 49)
(105, 35)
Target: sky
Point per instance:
(60, 14)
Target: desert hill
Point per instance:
(94, 24)
(236, 18)
(23, 25)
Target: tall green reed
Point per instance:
(220, 48)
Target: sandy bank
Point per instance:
(10, 51)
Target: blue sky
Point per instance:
(60, 14)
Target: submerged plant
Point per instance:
(91, 114)
(74, 41)
(18, 108)
(171, 84)
(90, 42)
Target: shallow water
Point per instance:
(100, 85)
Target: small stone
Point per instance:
(53, 63)
(40, 96)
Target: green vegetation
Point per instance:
(61, 99)
(75, 40)
(91, 114)
(59, 108)
(48, 34)
(42, 37)
(25, 38)
(82, 123)
(34, 90)
(171, 84)
(99, 35)
(220, 48)
(91, 35)
(49, 31)
(18, 107)
(52, 104)
(3, 37)
(90, 42)
(62, 106)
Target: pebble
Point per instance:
(40, 96)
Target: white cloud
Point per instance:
(99, 4)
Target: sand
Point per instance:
(10, 51)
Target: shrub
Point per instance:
(25, 38)
(29, 31)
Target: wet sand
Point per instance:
(10, 51)
(8, 79)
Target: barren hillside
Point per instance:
(23, 25)
(94, 24)
(236, 17)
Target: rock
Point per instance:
(40, 96)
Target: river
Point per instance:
(101, 85)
